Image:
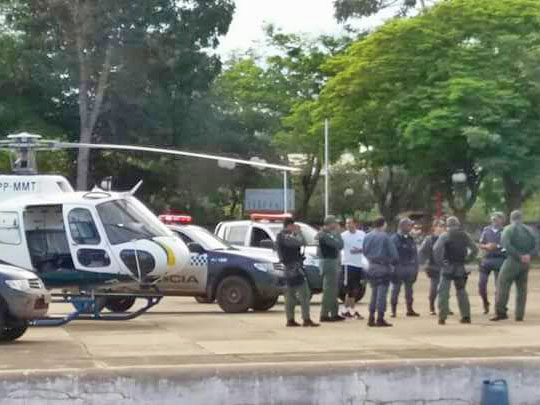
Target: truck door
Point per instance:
(88, 248)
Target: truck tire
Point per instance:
(120, 304)
(264, 304)
(203, 300)
(361, 293)
(10, 333)
(235, 295)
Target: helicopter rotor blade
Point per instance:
(69, 145)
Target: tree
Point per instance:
(347, 9)
(94, 44)
(275, 97)
(443, 93)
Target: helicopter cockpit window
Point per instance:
(82, 227)
(126, 220)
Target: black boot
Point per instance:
(410, 312)
(486, 307)
(432, 308)
(292, 324)
(499, 317)
(371, 320)
(381, 323)
(466, 320)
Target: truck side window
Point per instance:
(9, 228)
(82, 227)
(237, 234)
(259, 235)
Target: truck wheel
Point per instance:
(120, 304)
(235, 295)
(264, 304)
(203, 300)
(9, 334)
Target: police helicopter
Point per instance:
(87, 243)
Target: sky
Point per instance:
(313, 17)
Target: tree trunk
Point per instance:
(90, 100)
(513, 194)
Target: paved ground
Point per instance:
(182, 332)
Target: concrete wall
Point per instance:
(403, 383)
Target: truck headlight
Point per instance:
(20, 285)
(266, 267)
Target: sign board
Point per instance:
(268, 200)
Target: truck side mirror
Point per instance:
(195, 248)
(267, 244)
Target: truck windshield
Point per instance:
(125, 220)
(308, 232)
(208, 240)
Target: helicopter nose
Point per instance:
(176, 252)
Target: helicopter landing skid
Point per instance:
(90, 309)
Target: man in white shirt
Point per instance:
(354, 265)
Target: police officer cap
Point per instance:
(516, 216)
(330, 220)
(453, 222)
(498, 215)
(405, 221)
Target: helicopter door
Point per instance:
(88, 249)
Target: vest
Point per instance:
(327, 251)
(406, 249)
(432, 261)
(287, 255)
(456, 247)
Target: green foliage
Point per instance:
(347, 9)
(450, 90)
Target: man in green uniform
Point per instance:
(452, 250)
(330, 245)
(289, 242)
(520, 242)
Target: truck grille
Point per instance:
(35, 283)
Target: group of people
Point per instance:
(390, 262)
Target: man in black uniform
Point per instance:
(406, 269)
(452, 250)
(289, 242)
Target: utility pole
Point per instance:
(326, 170)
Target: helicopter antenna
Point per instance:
(136, 187)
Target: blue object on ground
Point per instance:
(495, 393)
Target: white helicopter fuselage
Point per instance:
(77, 239)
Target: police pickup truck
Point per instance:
(238, 280)
(260, 232)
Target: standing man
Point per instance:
(433, 270)
(381, 253)
(494, 255)
(353, 265)
(520, 243)
(452, 250)
(406, 271)
(289, 242)
(330, 245)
